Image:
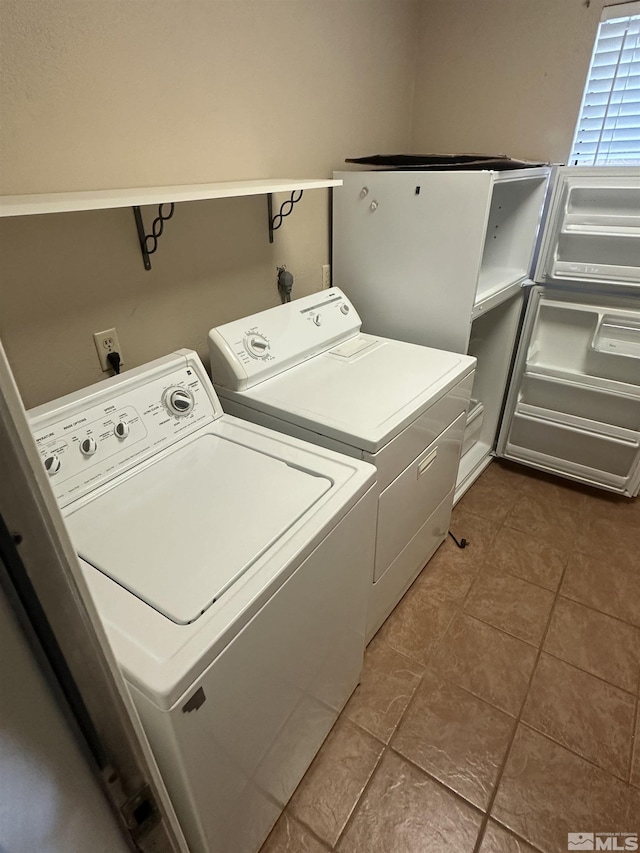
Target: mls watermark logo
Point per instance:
(602, 841)
(580, 841)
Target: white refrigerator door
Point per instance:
(573, 406)
(592, 236)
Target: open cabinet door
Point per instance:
(573, 406)
(45, 588)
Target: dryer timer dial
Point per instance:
(179, 401)
(256, 345)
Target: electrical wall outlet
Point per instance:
(107, 342)
(326, 276)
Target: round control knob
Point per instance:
(179, 401)
(121, 429)
(52, 464)
(317, 320)
(257, 346)
(88, 446)
(344, 308)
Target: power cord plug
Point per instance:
(114, 360)
(285, 284)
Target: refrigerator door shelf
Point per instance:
(567, 336)
(608, 273)
(593, 229)
(608, 226)
(573, 407)
(618, 406)
(580, 424)
(572, 377)
(623, 485)
(566, 444)
(618, 335)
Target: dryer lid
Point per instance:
(181, 531)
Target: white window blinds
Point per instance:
(608, 128)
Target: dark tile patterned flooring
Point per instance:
(498, 708)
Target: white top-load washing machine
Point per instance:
(305, 369)
(230, 565)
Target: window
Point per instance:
(608, 128)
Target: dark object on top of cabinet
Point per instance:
(499, 162)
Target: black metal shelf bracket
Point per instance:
(285, 210)
(149, 242)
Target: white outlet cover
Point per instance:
(106, 342)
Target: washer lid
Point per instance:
(180, 532)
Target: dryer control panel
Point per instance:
(88, 438)
(248, 351)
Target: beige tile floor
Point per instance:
(499, 701)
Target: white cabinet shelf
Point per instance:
(137, 197)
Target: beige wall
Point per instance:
(113, 93)
(145, 92)
(502, 76)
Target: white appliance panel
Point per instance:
(126, 418)
(382, 400)
(395, 380)
(270, 697)
(414, 495)
(408, 564)
(248, 351)
(189, 526)
(413, 440)
(392, 382)
(239, 728)
(407, 249)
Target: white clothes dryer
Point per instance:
(230, 566)
(305, 369)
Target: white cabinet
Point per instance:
(439, 258)
(423, 253)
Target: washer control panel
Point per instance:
(248, 351)
(87, 442)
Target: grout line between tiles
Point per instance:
(494, 793)
(363, 793)
(588, 672)
(566, 597)
(573, 752)
(520, 838)
(438, 782)
(634, 745)
(503, 630)
(329, 847)
(528, 579)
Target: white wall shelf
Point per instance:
(137, 197)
